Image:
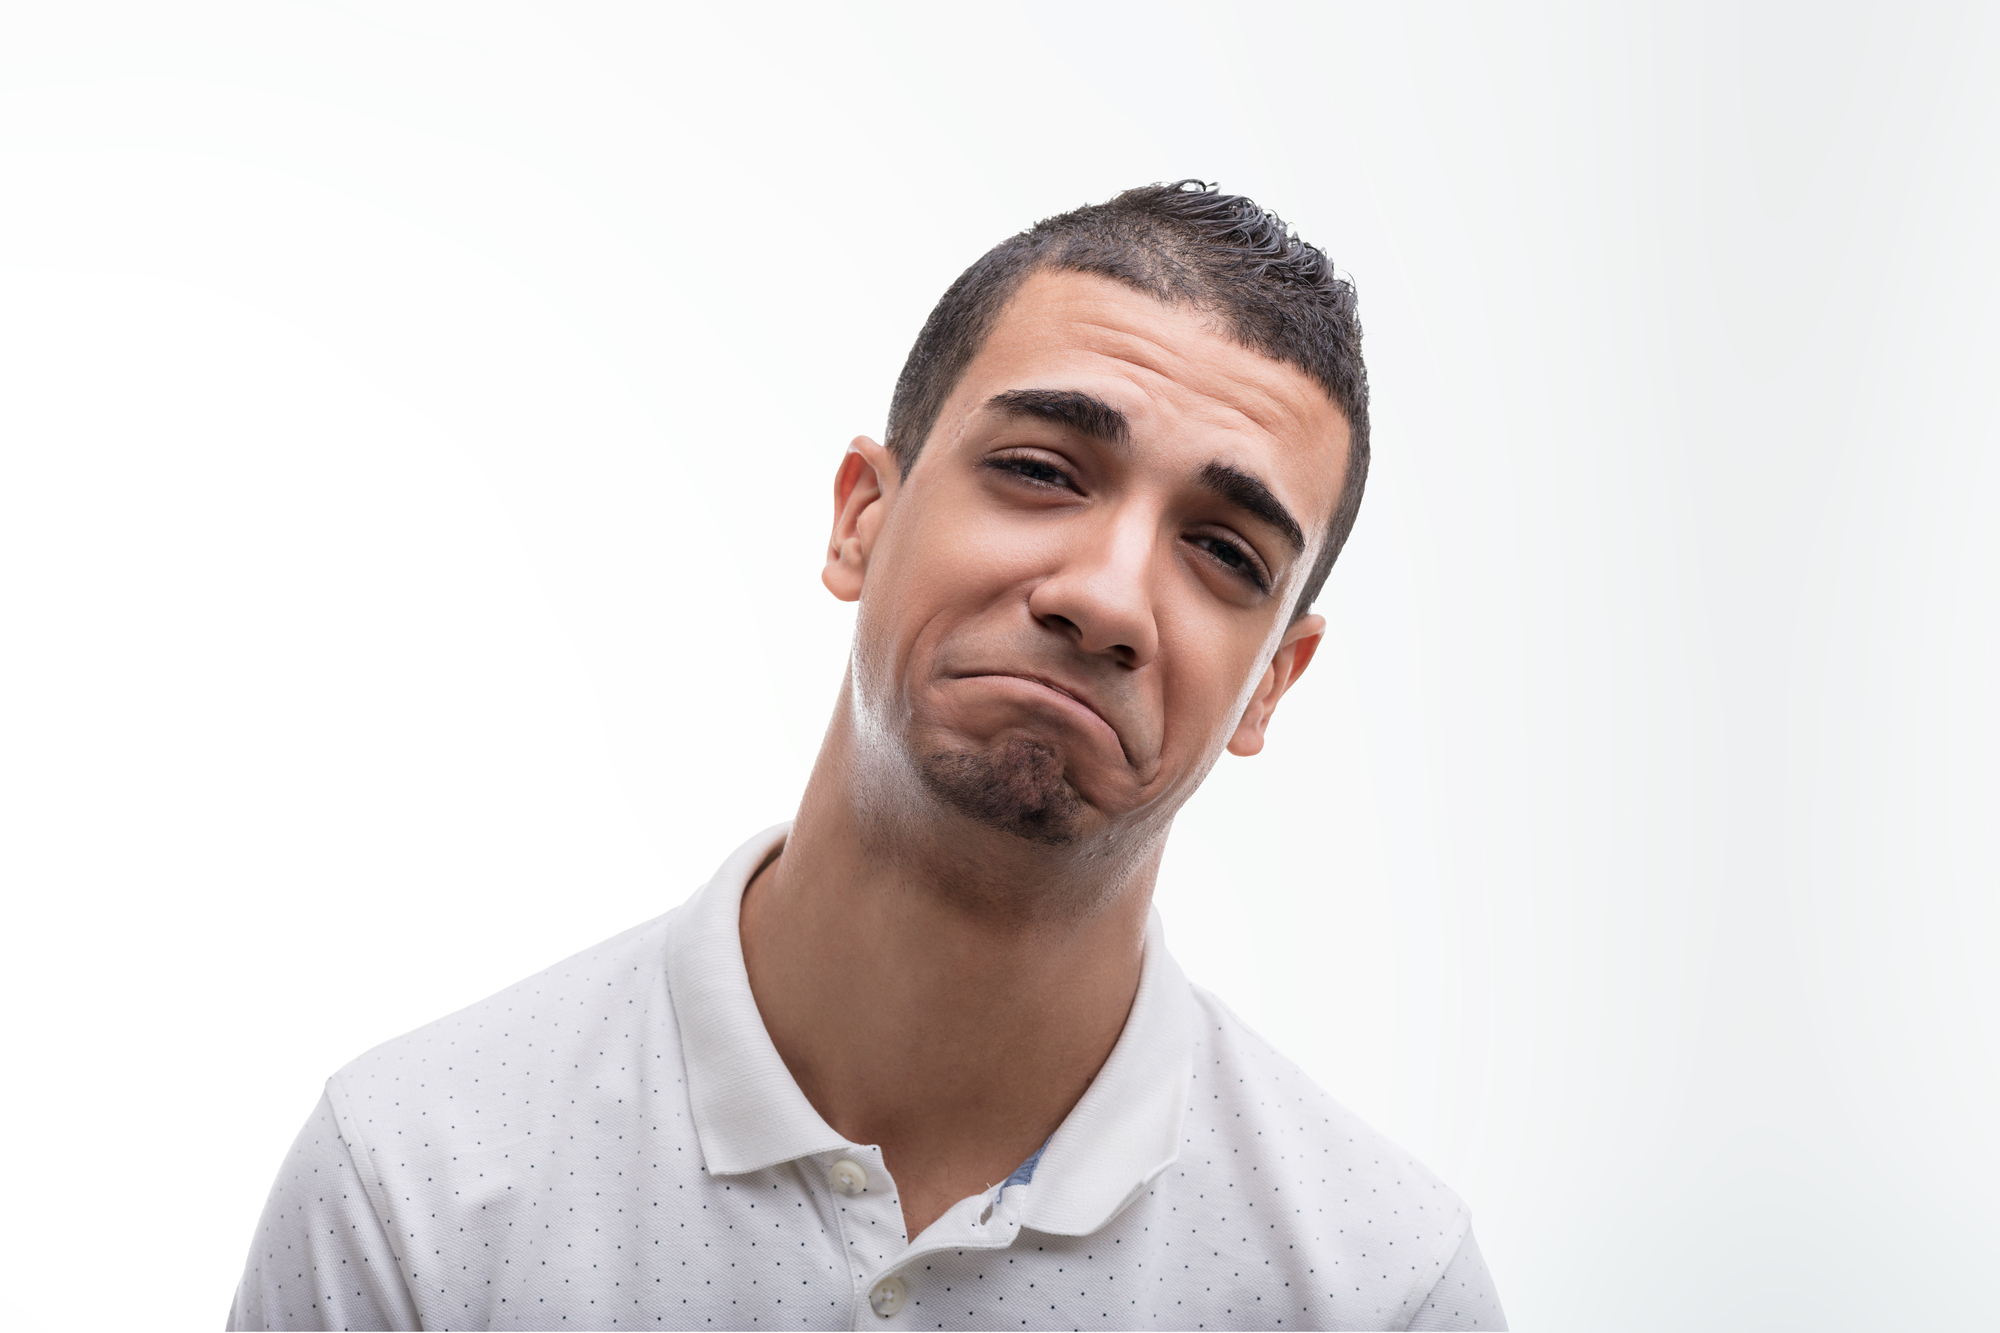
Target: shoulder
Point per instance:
(1258, 1122)
(518, 1047)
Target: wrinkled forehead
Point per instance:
(1173, 371)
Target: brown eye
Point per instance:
(1234, 557)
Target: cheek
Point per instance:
(934, 571)
(1211, 680)
(960, 555)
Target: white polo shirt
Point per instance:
(615, 1144)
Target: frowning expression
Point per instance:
(1083, 589)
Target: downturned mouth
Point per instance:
(1060, 690)
(1055, 688)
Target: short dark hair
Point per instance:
(1183, 243)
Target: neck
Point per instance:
(940, 989)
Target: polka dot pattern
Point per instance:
(532, 1163)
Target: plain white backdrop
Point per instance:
(417, 427)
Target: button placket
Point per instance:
(880, 1258)
(977, 1223)
(982, 1222)
(869, 1214)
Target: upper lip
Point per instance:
(1071, 690)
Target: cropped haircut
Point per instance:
(1184, 244)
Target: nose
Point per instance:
(1101, 597)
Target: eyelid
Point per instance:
(1034, 452)
(1055, 462)
(1254, 569)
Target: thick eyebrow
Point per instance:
(1254, 497)
(1082, 413)
(1092, 416)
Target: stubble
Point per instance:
(1018, 788)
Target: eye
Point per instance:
(1234, 557)
(1035, 471)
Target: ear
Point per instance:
(863, 488)
(1295, 652)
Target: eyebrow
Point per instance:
(1081, 412)
(1092, 416)
(1255, 498)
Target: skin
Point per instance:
(1057, 636)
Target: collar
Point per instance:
(749, 1114)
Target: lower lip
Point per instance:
(1069, 703)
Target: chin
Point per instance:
(1016, 787)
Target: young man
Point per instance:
(920, 1059)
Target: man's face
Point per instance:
(1082, 590)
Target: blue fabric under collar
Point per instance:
(1025, 1172)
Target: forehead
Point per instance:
(1184, 384)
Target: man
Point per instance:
(920, 1058)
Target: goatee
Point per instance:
(1018, 789)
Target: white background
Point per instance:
(416, 437)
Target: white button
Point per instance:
(887, 1298)
(847, 1176)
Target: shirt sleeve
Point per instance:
(321, 1259)
(1464, 1297)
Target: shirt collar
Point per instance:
(749, 1113)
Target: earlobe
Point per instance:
(1249, 737)
(1295, 653)
(862, 485)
